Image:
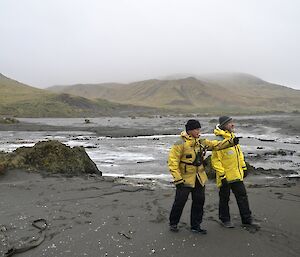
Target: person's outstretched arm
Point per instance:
(216, 145)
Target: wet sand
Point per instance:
(114, 131)
(284, 124)
(102, 216)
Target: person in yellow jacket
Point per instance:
(186, 166)
(230, 166)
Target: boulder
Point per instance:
(3, 165)
(211, 173)
(2, 169)
(52, 157)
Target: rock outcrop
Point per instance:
(51, 157)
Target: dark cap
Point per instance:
(192, 124)
(223, 120)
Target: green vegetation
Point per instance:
(210, 95)
(19, 100)
(215, 94)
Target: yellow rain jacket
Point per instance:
(186, 158)
(228, 163)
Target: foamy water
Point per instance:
(146, 156)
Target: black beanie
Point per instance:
(223, 120)
(192, 124)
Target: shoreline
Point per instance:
(289, 125)
(115, 131)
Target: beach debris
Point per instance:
(266, 140)
(33, 242)
(3, 228)
(52, 157)
(125, 235)
(8, 120)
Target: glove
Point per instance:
(245, 171)
(224, 182)
(236, 141)
(180, 185)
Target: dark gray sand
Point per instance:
(284, 124)
(97, 216)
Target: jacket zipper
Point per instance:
(196, 157)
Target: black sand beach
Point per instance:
(107, 216)
(96, 216)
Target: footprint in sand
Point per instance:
(279, 195)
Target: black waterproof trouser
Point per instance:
(239, 190)
(198, 199)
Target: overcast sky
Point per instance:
(55, 42)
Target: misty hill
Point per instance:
(216, 93)
(17, 99)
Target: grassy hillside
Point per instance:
(235, 93)
(90, 91)
(20, 100)
(13, 91)
(214, 94)
(252, 91)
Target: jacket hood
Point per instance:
(185, 135)
(221, 132)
